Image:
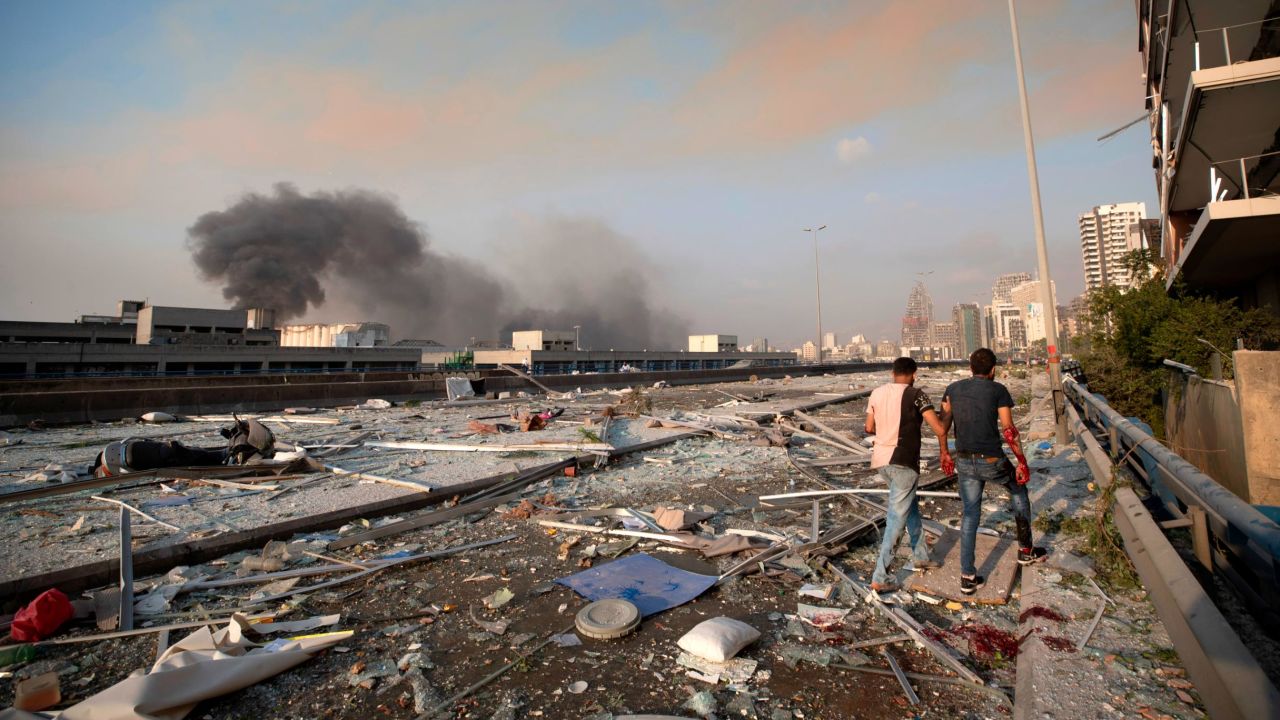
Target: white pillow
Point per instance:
(718, 639)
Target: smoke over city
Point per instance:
(356, 254)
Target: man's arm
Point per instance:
(940, 431)
(871, 421)
(945, 416)
(1010, 432)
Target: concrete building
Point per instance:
(161, 325)
(560, 340)
(918, 320)
(808, 352)
(363, 334)
(1026, 297)
(759, 345)
(160, 340)
(947, 335)
(968, 320)
(65, 359)
(1005, 284)
(553, 362)
(1214, 116)
(22, 331)
(829, 341)
(886, 350)
(713, 343)
(1106, 236)
(1008, 331)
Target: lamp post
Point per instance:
(1042, 255)
(817, 282)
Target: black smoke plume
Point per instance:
(355, 252)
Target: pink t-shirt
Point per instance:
(898, 409)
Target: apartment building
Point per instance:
(1212, 74)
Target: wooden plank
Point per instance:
(995, 558)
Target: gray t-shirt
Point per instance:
(974, 412)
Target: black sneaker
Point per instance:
(970, 585)
(1026, 556)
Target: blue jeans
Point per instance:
(903, 509)
(974, 474)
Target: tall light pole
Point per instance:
(1042, 255)
(817, 282)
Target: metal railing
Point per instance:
(1213, 45)
(1246, 544)
(1220, 172)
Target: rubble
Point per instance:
(394, 575)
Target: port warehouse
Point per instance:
(53, 359)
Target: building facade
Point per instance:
(364, 334)
(968, 320)
(1107, 234)
(713, 343)
(1213, 101)
(918, 320)
(1005, 284)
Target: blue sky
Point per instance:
(707, 133)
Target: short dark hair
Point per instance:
(903, 366)
(983, 361)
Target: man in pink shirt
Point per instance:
(894, 413)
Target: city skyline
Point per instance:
(653, 124)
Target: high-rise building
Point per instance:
(1026, 297)
(968, 320)
(919, 318)
(1211, 82)
(1004, 318)
(808, 352)
(760, 345)
(1006, 283)
(947, 335)
(829, 341)
(1105, 240)
(885, 349)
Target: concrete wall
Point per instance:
(1258, 389)
(1202, 424)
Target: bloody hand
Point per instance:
(1023, 473)
(948, 465)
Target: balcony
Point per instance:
(1233, 244)
(1229, 135)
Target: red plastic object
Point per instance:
(42, 617)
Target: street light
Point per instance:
(817, 281)
(1046, 285)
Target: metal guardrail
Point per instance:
(1230, 681)
(1251, 539)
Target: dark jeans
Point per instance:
(974, 474)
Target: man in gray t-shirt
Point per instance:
(975, 405)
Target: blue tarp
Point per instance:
(645, 581)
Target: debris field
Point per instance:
(456, 599)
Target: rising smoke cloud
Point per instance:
(356, 251)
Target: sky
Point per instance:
(708, 134)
